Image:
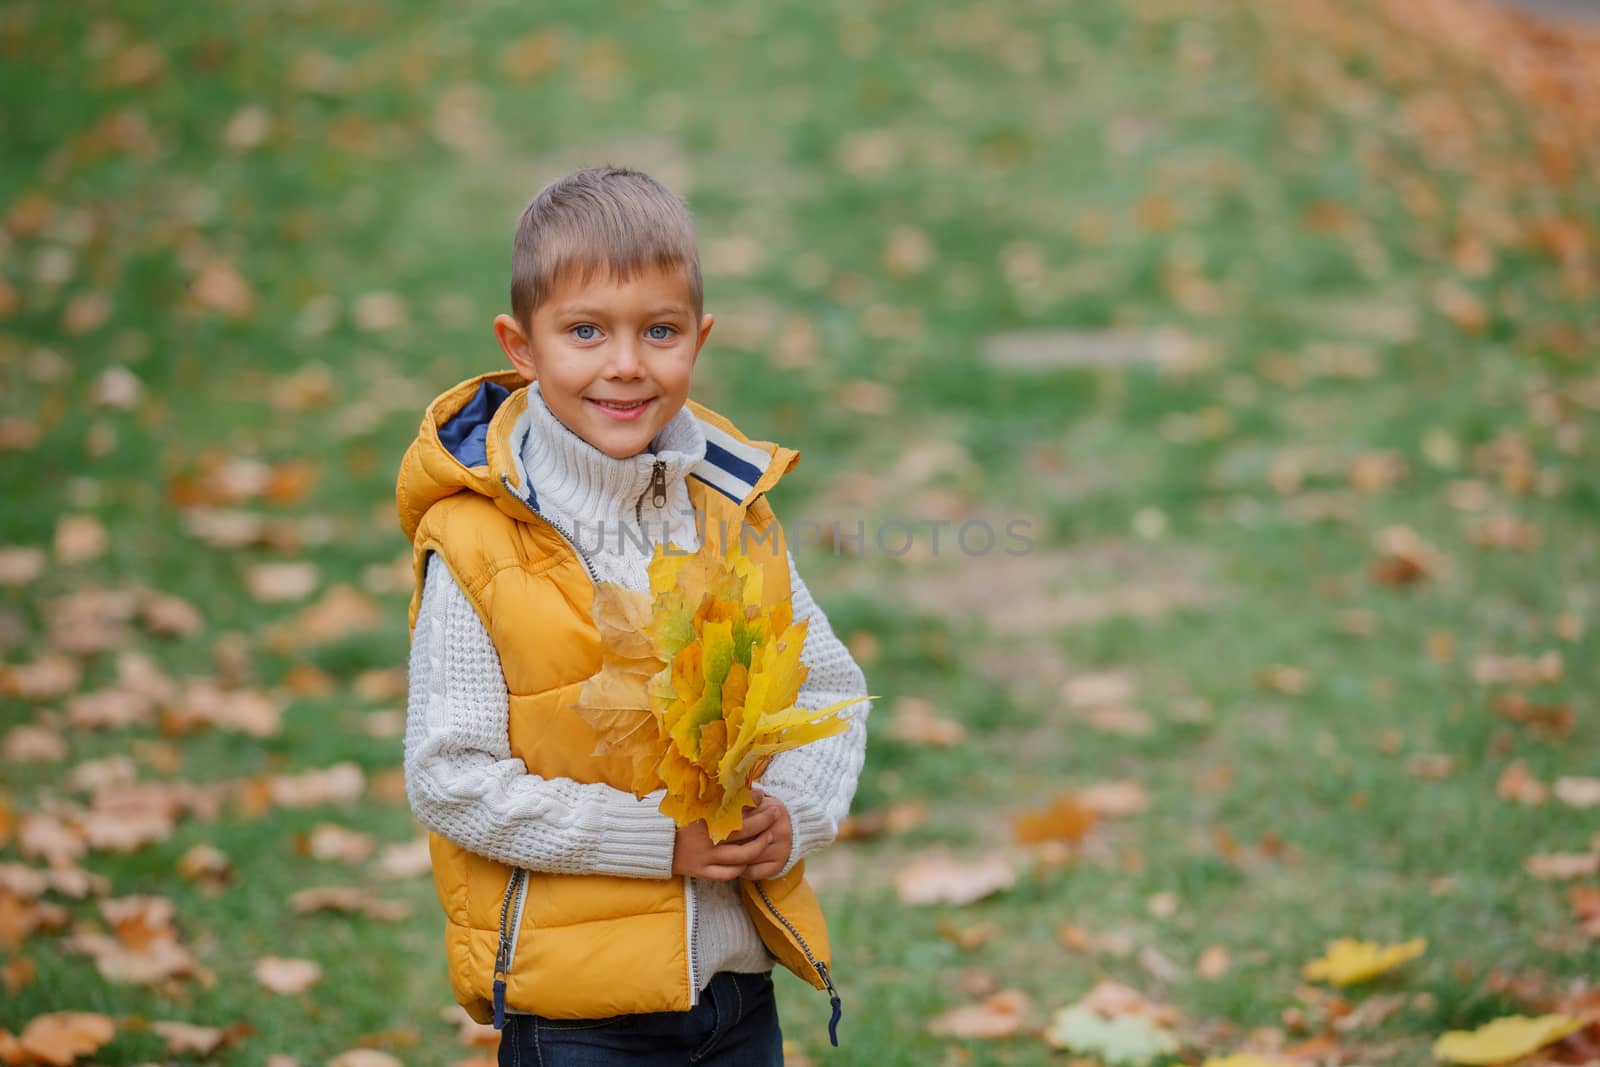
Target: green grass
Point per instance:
(1027, 145)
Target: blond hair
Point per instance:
(600, 220)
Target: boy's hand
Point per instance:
(780, 838)
(694, 854)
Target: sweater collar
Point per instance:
(573, 477)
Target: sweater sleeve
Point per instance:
(816, 782)
(464, 783)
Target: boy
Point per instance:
(580, 919)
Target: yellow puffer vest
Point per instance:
(572, 946)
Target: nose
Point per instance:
(625, 361)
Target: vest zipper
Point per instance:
(821, 968)
(572, 543)
(518, 883)
(657, 490)
(503, 958)
(516, 886)
(693, 909)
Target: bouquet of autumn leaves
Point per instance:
(697, 685)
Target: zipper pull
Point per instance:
(835, 1002)
(500, 958)
(657, 490)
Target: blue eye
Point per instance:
(585, 326)
(665, 336)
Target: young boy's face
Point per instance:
(612, 358)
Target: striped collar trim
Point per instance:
(732, 467)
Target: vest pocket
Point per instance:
(450, 878)
(486, 882)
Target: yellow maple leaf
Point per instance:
(698, 683)
(1245, 1059)
(1349, 961)
(1504, 1039)
(616, 701)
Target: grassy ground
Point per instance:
(1358, 328)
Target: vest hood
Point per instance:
(472, 436)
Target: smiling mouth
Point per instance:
(621, 405)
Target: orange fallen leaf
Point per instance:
(1518, 785)
(348, 898)
(364, 1057)
(112, 771)
(968, 937)
(205, 863)
(33, 744)
(408, 859)
(243, 711)
(1376, 472)
(127, 818)
(896, 819)
(219, 287)
(1114, 799)
(1563, 865)
(1121, 720)
(1000, 1015)
(533, 55)
(1112, 999)
(46, 678)
(330, 842)
(1064, 820)
(287, 976)
(186, 1039)
(279, 581)
(1547, 668)
(140, 920)
(21, 565)
(382, 683)
(1504, 531)
(1283, 678)
(169, 615)
(112, 708)
(60, 1038)
(916, 722)
(1431, 766)
(343, 610)
(1404, 557)
(1585, 903)
(939, 879)
(20, 917)
(1096, 689)
(149, 965)
(17, 974)
(1371, 1012)
(1556, 717)
(1213, 963)
(1577, 792)
(308, 789)
(80, 538)
(42, 835)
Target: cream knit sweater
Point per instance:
(461, 778)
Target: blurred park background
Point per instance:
(1274, 322)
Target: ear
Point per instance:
(514, 342)
(706, 322)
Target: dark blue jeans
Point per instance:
(735, 1024)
